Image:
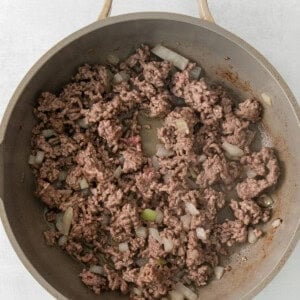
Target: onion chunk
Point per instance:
(232, 150)
(185, 291)
(176, 59)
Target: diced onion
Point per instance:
(48, 133)
(67, 221)
(232, 150)
(195, 73)
(252, 238)
(123, 247)
(39, 157)
(155, 163)
(83, 123)
(191, 209)
(31, 160)
(182, 126)
(62, 175)
(155, 234)
(141, 232)
(83, 184)
(118, 172)
(202, 158)
(175, 295)
(58, 222)
(141, 262)
(201, 234)
(120, 77)
(167, 177)
(149, 215)
(112, 59)
(219, 271)
(185, 291)
(159, 216)
(186, 221)
(161, 151)
(265, 201)
(168, 244)
(276, 223)
(138, 291)
(192, 184)
(62, 241)
(97, 270)
(176, 59)
(266, 98)
(250, 173)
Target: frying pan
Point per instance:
(226, 59)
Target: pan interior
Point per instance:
(223, 61)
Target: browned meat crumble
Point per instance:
(93, 166)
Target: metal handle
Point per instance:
(204, 11)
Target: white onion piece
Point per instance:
(62, 241)
(267, 99)
(167, 177)
(232, 150)
(141, 262)
(67, 221)
(250, 173)
(195, 73)
(276, 223)
(141, 232)
(219, 271)
(97, 270)
(62, 175)
(175, 295)
(191, 209)
(121, 76)
(159, 216)
(118, 172)
(155, 234)
(186, 221)
(112, 59)
(252, 238)
(83, 123)
(202, 158)
(123, 247)
(201, 234)
(138, 291)
(39, 157)
(168, 244)
(187, 292)
(48, 133)
(31, 159)
(161, 151)
(83, 184)
(192, 184)
(58, 222)
(182, 126)
(155, 163)
(176, 59)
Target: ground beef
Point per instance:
(93, 162)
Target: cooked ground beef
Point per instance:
(99, 186)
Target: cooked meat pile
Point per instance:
(149, 226)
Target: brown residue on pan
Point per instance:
(228, 74)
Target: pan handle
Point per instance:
(204, 11)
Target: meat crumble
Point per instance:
(148, 225)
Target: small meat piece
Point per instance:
(51, 237)
(93, 281)
(110, 130)
(49, 170)
(133, 160)
(266, 166)
(146, 88)
(142, 54)
(249, 212)
(156, 72)
(218, 169)
(231, 232)
(179, 82)
(236, 132)
(250, 110)
(160, 104)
